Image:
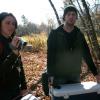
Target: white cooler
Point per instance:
(29, 97)
(78, 91)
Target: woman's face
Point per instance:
(8, 26)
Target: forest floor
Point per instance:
(34, 65)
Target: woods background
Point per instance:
(34, 59)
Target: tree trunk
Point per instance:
(55, 11)
(92, 31)
(85, 26)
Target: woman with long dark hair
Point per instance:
(12, 79)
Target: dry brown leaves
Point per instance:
(34, 65)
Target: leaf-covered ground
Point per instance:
(34, 66)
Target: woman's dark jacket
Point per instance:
(65, 53)
(11, 70)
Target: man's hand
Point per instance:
(24, 92)
(51, 79)
(98, 78)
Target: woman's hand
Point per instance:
(15, 44)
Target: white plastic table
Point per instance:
(67, 90)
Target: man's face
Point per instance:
(70, 18)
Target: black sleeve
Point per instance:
(6, 64)
(22, 76)
(87, 56)
(51, 53)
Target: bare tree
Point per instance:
(86, 30)
(52, 5)
(92, 32)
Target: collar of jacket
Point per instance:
(60, 28)
(3, 38)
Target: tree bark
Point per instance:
(85, 26)
(55, 11)
(92, 32)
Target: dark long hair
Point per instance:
(3, 15)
